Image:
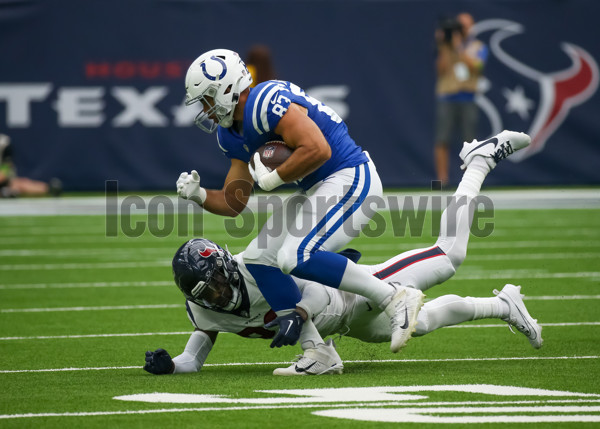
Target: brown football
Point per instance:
(272, 154)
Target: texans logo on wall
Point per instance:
(541, 101)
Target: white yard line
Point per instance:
(402, 404)
(25, 286)
(462, 275)
(474, 275)
(573, 198)
(221, 235)
(495, 325)
(86, 266)
(559, 297)
(146, 334)
(534, 256)
(500, 227)
(523, 274)
(70, 252)
(488, 243)
(488, 359)
(158, 306)
(100, 308)
(69, 337)
(143, 252)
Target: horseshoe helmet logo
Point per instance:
(213, 68)
(559, 91)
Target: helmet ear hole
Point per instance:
(228, 89)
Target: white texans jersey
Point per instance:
(329, 320)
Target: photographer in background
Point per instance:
(459, 64)
(12, 186)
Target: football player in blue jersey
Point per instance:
(326, 162)
(222, 295)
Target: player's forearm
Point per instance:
(303, 161)
(233, 197)
(221, 203)
(311, 149)
(194, 355)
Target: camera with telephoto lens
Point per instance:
(449, 26)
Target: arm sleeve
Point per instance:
(194, 355)
(314, 299)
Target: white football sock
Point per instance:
(471, 182)
(360, 282)
(309, 336)
(455, 229)
(451, 310)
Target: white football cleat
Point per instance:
(320, 360)
(494, 149)
(402, 311)
(518, 316)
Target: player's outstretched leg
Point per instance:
(518, 316)
(320, 360)
(494, 149)
(403, 310)
(507, 305)
(479, 159)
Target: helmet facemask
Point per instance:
(221, 291)
(211, 109)
(208, 275)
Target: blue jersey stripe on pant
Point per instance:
(313, 267)
(347, 213)
(321, 224)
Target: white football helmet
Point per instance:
(221, 75)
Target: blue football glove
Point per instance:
(290, 327)
(159, 362)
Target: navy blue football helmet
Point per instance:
(208, 276)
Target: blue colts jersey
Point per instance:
(266, 105)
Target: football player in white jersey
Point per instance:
(222, 295)
(326, 162)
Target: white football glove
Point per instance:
(267, 180)
(188, 187)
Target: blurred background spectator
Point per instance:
(12, 185)
(459, 64)
(260, 64)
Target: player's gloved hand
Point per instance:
(267, 180)
(159, 362)
(188, 187)
(290, 327)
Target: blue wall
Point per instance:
(93, 90)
